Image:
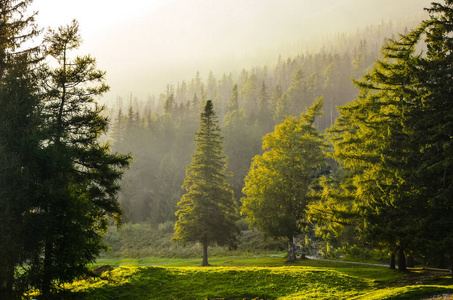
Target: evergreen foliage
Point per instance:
(20, 148)
(161, 142)
(394, 143)
(207, 212)
(80, 177)
(59, 184)
(16, 29)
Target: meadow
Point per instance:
(254, 277)
(146, 265)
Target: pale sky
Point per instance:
(144, 44)
(94, 15)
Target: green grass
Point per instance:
(258, 261)
(226, 282)
(253, 278)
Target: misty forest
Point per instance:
(342, 153)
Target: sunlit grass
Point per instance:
(251, 278)
(222, 282)
(264, 261)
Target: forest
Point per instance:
(341, 150)
(347, 73)
(159, 131)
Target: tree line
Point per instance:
(380, 176)
(58, 182)
(159, 131)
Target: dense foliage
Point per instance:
(394, 143)
(81, 176)
(19, 153)
(388, 183)
(58, 183)
(207, 212)
(159, 130)
(390, 175)
(277, 184)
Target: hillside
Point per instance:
(260, 278)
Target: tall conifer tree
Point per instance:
(82, 176)
(294, 100)
(16, 28)
(372, 140)
(396, 141)
(207, 212)
(19, 139)
(19, 149)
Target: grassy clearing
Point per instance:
(254, 278)
(257, 261)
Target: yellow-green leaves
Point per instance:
(277, 184)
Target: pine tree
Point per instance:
(207, 212)
(82, 176)
(277, 184)
(233, 103)
(19, 139)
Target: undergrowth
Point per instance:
(144, 240)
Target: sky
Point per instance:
(145, 44)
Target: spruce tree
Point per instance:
(16, 28)
(433, 131)
(207, 212)
(265, 121)
(20, 140)
(395, 139)
(241, 142)
(294, 100)
(372, 140)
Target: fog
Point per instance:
(143, 45)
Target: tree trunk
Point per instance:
(291, 249)
(392, 261)
(205, 253)
(450, 268)
(47, 272)
(6, 289)
(401, 259)
(442, 261)
(410, 261)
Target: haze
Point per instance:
(144, 45)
